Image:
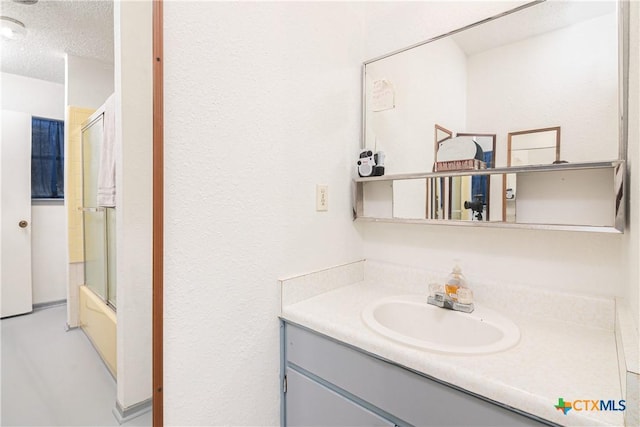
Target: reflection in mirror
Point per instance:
(527, 148)
(465, 198)
(576, 197)
(377, 195)
(410, 199)
(417, 199)
(478, 205)
(460, 196)
(533, 147)
(544, 62)
(437, 202)
(441, 135)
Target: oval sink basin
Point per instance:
(410, 320)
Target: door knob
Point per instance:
(23, 224)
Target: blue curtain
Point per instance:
(47, 158)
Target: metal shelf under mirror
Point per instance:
(572, 197)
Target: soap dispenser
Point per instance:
(455, 281)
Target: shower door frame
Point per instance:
(91, 121)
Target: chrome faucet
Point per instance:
(440, 299)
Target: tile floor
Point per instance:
(51, 377)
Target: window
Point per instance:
(47, 159)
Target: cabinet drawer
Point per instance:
(311, 404)
(410, 397)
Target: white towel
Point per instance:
(107, 165)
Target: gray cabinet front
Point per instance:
(312, 404)
(394, 393)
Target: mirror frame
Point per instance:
(526, 132)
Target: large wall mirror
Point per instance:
(545, 65)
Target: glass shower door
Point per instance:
(95, 245)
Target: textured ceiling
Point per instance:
(79, 27)
(535, 20)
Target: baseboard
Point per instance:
(123, 415)
(43, 305)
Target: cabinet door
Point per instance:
(309, 403)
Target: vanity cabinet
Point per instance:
(330, 383)
(310, 403)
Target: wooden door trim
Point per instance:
(158, 214)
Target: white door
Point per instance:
(15, 214)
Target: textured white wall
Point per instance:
(48, 234)
(566, 87)
(37, 97)
(405, 133)
(88, 82)
(589, 263)
(262, 102)
(133, 83)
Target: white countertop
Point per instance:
(553, 358)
